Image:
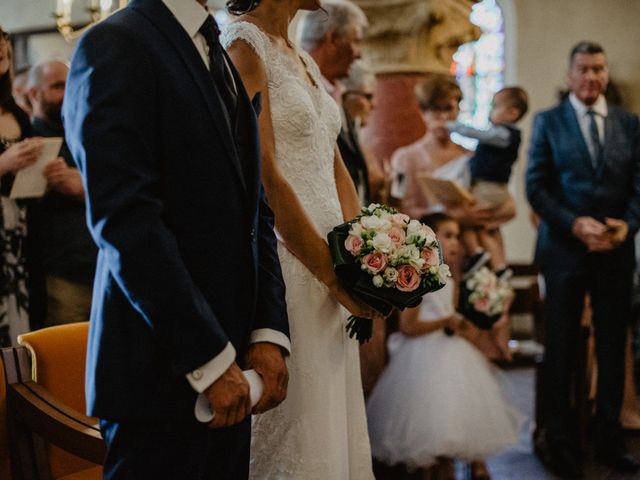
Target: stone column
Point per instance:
(406, 41)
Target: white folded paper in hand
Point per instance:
(30, 181)
(203, 410)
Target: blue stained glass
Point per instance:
(479, 67)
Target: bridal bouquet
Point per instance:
(385, 260)
(484, 298)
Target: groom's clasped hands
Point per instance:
(229, 395)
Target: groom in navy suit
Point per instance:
(188, 289)
(583, 180)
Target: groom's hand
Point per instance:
(229, 398)
(267, 360)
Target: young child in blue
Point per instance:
(438, 399)
(490, 167)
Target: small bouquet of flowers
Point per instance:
(386, 260)
(484, 298)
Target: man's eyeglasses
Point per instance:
(366, 95)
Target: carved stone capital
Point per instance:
(416, 36)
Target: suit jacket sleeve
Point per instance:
(271, 311)
(540, 178)
(110, 106)
(632, 215)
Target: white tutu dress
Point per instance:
(438, 397)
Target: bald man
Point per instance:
(59, 235)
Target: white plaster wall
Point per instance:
(540, 34)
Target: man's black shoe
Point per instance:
(618, 458)
(559, 459)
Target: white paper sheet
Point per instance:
(30, 181)
(203, 410)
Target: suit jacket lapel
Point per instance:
(571, 121)
(162, 17)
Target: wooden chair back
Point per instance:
(50, 436)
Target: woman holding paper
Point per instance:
(16, 152)
(439, 157)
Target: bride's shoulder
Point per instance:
(248, 32)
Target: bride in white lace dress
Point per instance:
(319, 431)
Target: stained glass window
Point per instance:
(479, 66)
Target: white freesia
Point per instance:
(415, 232)
(414, 227)
(430, 239)
(443, 273)
(390, 274)
(356, 229)
(407, 252)
(417, 263)
(382, 242)
(378, 281)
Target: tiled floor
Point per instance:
(520, 463)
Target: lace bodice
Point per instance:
(306, 123)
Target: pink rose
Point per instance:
(482, 304)
(430, 256)
(353, 244)
(408, 278)
(397, 236)
(374, 262)
(400, 220)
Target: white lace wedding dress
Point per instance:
(319, 431)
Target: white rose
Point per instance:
(382, 243)
(378, 281)
(390, 274)
(443, 273)
(371, 223)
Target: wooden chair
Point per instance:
(5, 463)
(50, 437)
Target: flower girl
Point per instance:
(438, 399)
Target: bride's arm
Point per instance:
(349, 201)
(299, 234)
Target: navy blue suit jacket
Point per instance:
(562, 183)
(188, 257)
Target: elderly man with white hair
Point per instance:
(332, 37)
(357, 104)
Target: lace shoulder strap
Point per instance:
(312, 66)
(251, 34)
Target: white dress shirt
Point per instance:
(191, 15)
(582, 112)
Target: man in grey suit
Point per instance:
(583, 180)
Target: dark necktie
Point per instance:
(595, 139)
(217, 65)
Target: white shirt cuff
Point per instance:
(271, 336)
(201, 378)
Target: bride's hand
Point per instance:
(354, 307)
